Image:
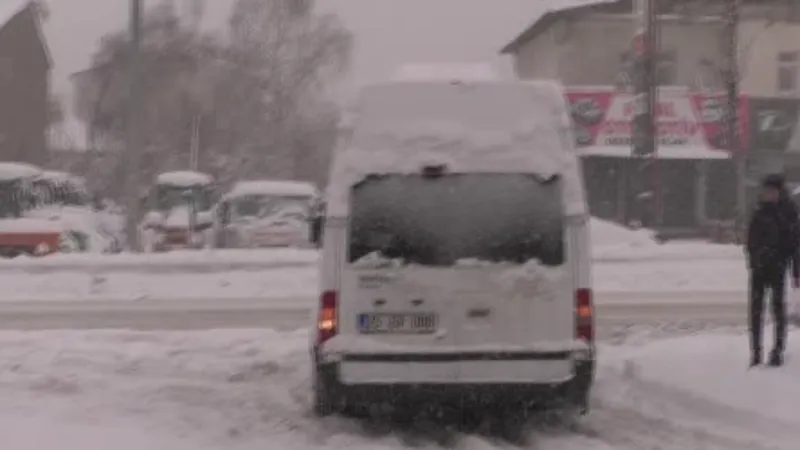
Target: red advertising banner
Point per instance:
(602, 117)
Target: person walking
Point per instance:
(773, 244)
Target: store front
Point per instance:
(774, 144)
(689, 183)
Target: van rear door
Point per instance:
(465, 266)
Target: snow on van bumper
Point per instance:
(340, 345)
(571, 392)
(362, 361)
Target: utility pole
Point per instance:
(132, 152)
(194, 146)
(644, 141)
(732, 110)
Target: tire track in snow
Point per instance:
(250, 390)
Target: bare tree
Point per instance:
(291, 53)
(173, 62)
(257, 101)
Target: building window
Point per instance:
(624, 79)
(667, 69)
(707, 77)
(788, 64)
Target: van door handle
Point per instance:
(477, 313)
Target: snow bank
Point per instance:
(714, 368)
(159, 391)
(293, 273)
(678, 275)
(613, 242)
(218, 285)
(13, 171)
(201, 261)
(606, 233)
(30, 225)
(103, 229)
(44, 431)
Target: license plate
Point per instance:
(396, 323)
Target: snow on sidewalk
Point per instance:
(612, 242)
(671, 276)
(670, 280)
(266, 284)
(45, 432)
(714, 369)
(632, 262)
(180, 260)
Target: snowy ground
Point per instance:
(625, 261)
(666, 276)
(268, 284)
(180, 261)
(243, 390)
(248, 389)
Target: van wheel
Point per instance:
(326, 402)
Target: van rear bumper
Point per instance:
(570, 392)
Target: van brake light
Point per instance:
(328, 320)
(584, 315)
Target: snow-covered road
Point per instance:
(248, 389)
(290, 313)
(220, 358)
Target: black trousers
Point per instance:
(760, 282)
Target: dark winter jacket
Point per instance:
(773, 238)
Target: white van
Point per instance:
(455, 261)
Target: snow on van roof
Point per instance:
(57, 175)
(478, 127)
(13, 171)
(445, 72)
(184, 178)
(272, 187)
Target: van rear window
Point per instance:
(437, 221)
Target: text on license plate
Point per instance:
(417, 323)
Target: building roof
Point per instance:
(9, 9)
(568, 9)
(563, 11)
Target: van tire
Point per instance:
(326, 401)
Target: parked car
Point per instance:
(266, 213)
(21, 234)
(178, 212)
(88, 224)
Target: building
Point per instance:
(588, 47)
(589, 44)
(24, 83)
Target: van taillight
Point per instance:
(584, 315)
(328, 320)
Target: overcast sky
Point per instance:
(387, 32)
